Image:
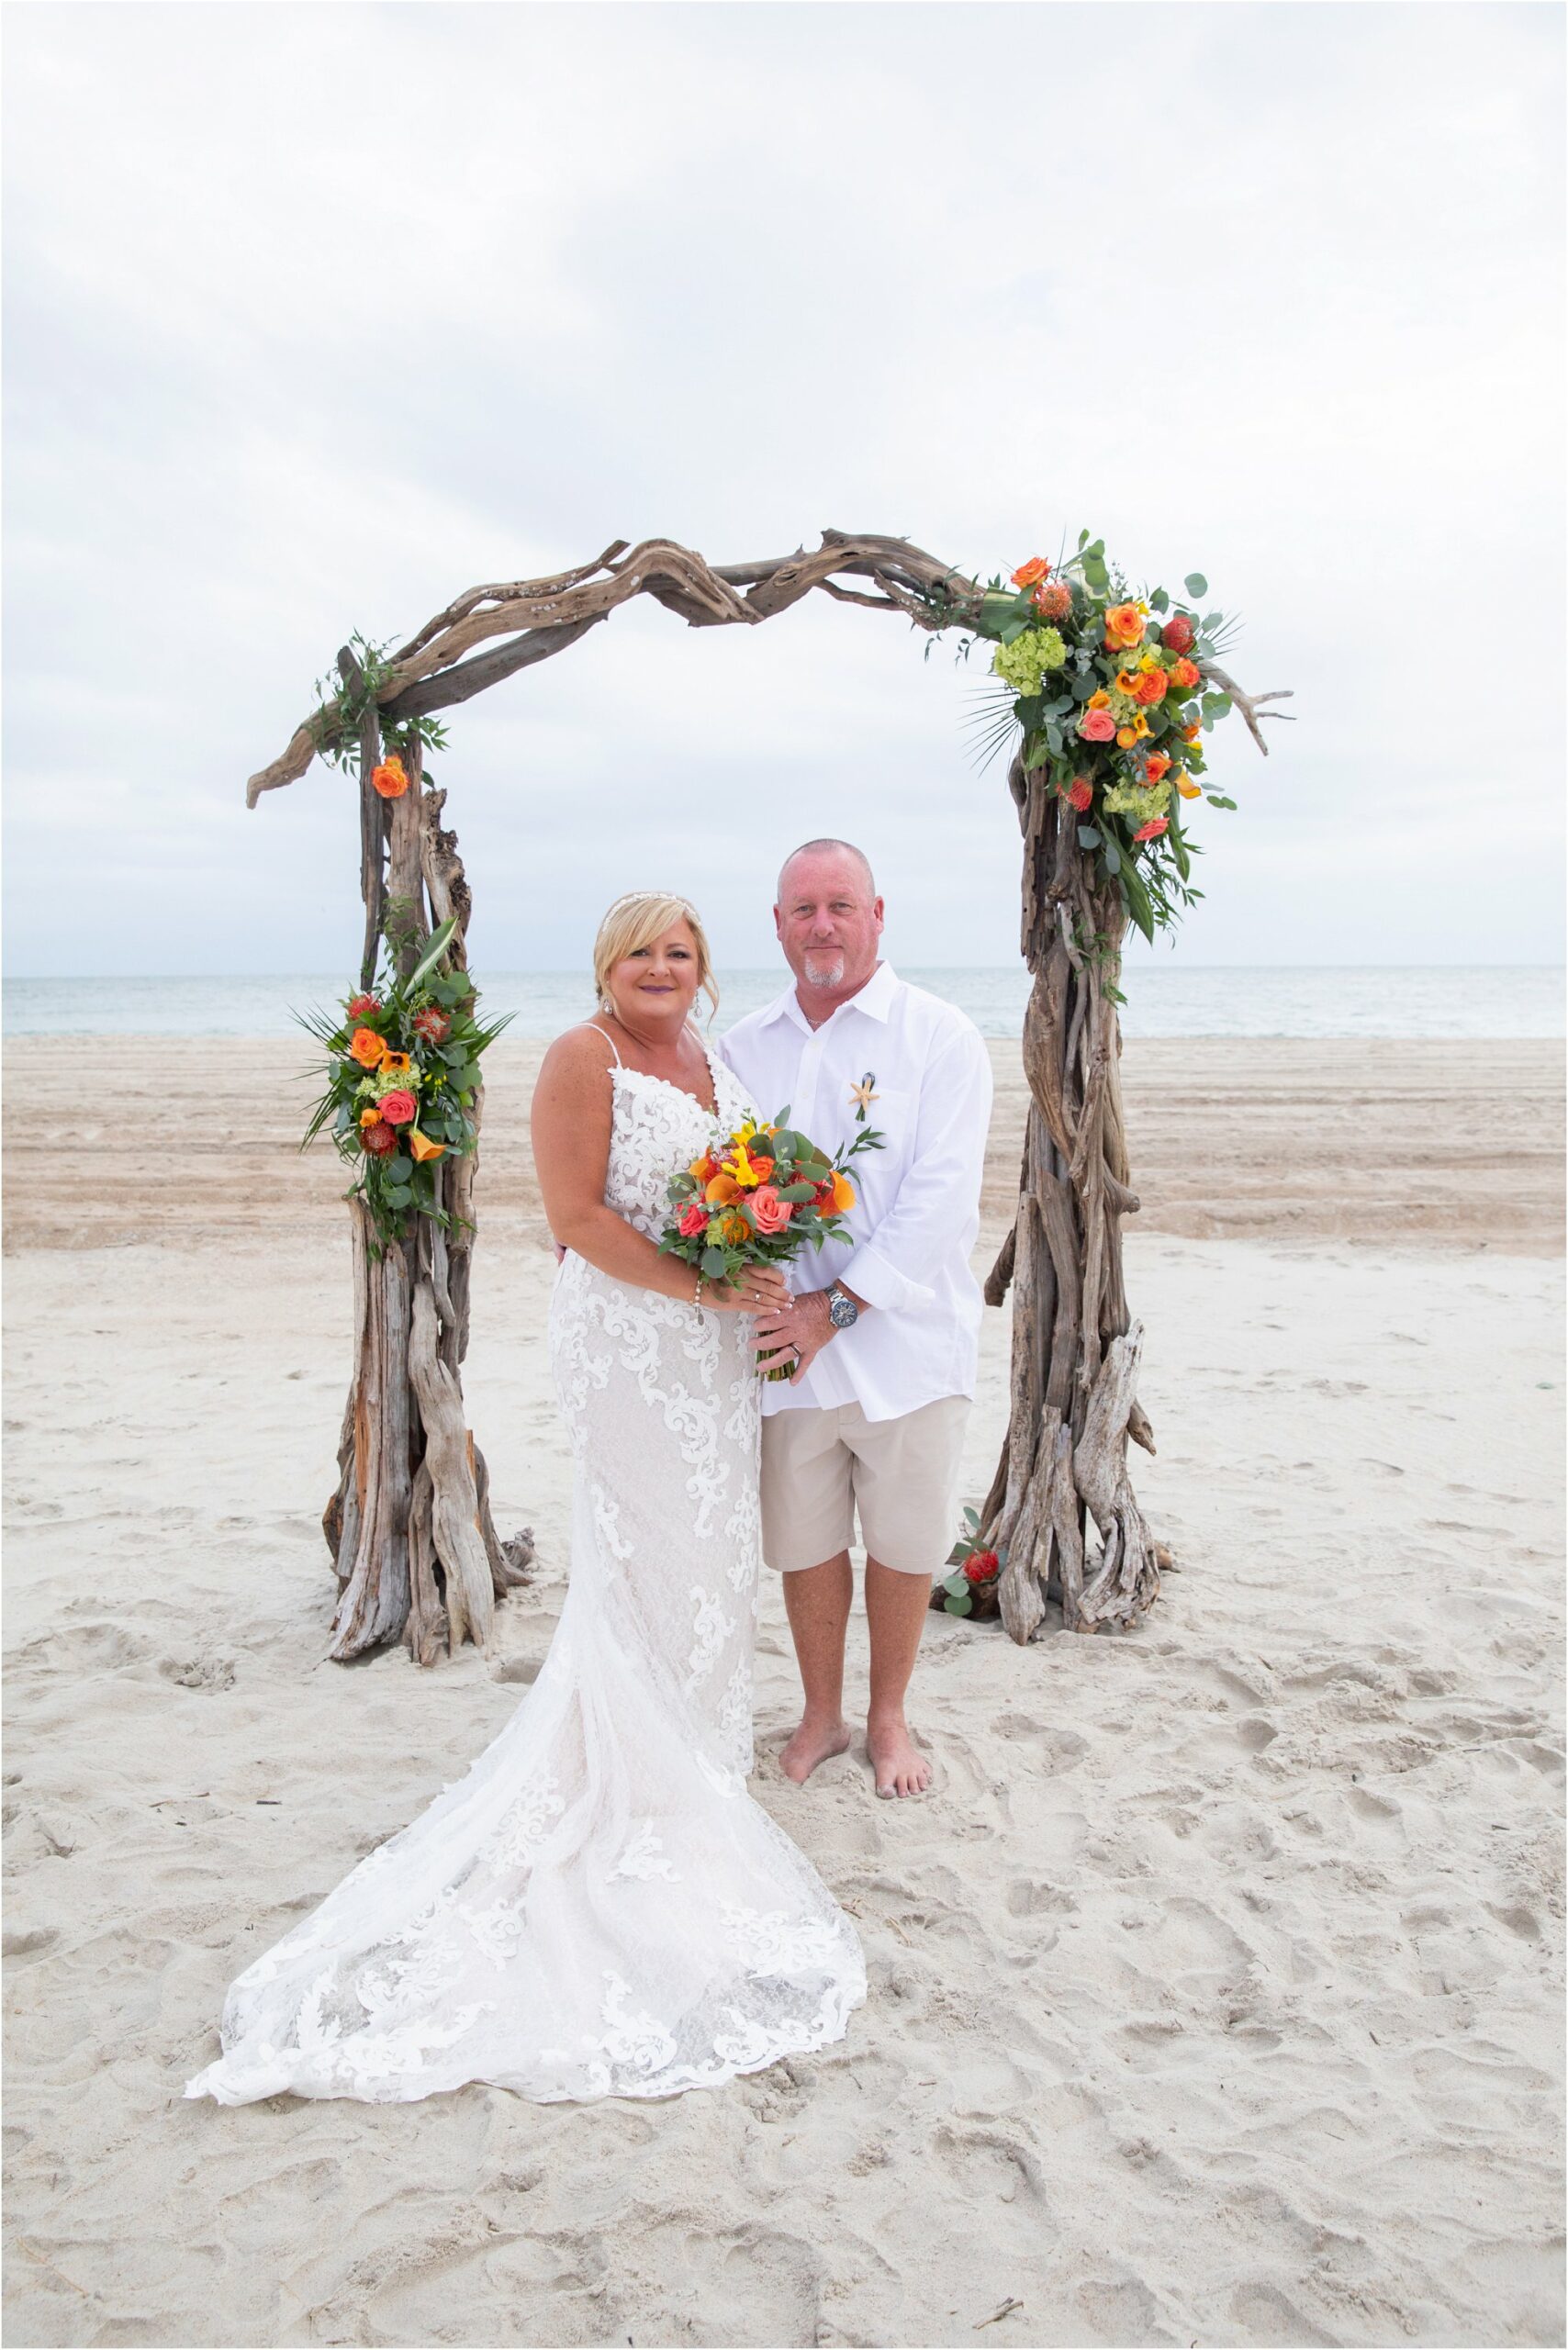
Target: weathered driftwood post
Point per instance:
(409, 1524)
(1075, 1357)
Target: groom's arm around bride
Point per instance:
(884, 1340)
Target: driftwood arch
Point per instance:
(415, 1550)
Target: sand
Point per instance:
(1214, 1989)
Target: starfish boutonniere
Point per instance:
(863, 1094)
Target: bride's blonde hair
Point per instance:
(636, 919)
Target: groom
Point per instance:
(884, 1345)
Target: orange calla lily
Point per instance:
(395, 1064)
(369, 1114)
(423, 1147)
(843, 1194)
(723, 1191)
(1186, 787)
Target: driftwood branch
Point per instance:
(540, 617)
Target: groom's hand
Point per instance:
(802, 1328)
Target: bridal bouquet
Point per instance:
(1114, 693)
(759, 1195)
(402, 1072)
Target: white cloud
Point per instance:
(320, 314)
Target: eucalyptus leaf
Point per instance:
(964, 1607)
(1195, 584)
(1088, 837)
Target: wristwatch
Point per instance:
(842, 1310)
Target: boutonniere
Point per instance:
(863, 1094)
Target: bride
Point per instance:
(599, 1908)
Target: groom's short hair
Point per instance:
(808, 849)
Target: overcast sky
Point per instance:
(319, 314)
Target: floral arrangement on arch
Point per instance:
(402, 1071)
(1111, 691)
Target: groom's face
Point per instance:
(828, 922)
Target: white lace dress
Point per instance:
(597, 1908)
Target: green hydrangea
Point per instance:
(1138, 799)
(1124, 709)
(1023, 662)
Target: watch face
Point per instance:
(842, 1313)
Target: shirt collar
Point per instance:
(876, 998)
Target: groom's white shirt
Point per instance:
(917, 1210)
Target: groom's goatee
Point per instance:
(828, 979)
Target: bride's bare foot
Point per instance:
(812, 1743)
(901, 1769)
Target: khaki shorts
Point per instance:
(821, 1465)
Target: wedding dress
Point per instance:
(599, 1908)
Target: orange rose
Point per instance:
(423, 1147)
(769, 1213)
(1149, 688)
(1152, 830)
(1159, 767)
(390, 779)
(1036, 569)
(369, 1115)
(1186, 673)
(367, 1048)
(1124, 627)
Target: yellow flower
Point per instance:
(1185, 785)
(741, 1168)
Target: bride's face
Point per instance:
(657, 983)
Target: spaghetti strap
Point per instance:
(608, 1038)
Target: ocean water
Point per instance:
(1163, 1000)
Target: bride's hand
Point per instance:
(758, 1288)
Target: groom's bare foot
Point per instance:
(900, 1768)
(812, 1743)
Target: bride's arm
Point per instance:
(571, 1122)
